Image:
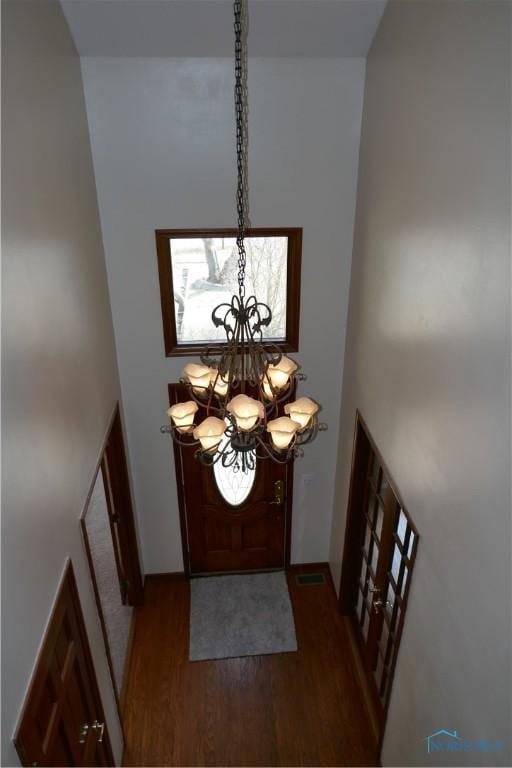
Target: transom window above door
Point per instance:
(198, 270)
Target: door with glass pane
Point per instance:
(380, 548)
(231, 520)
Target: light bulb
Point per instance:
(219, 384)
(282, 431)
(209, 433)
(198, 376)
(247, 411)
(182, 414)
(302, 411)
(278, 375)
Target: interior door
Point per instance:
(62, 723)
(232, 521)
(379, 554)
(114, 470)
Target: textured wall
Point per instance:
(59, 375)
(428, 356)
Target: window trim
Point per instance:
(293, 269)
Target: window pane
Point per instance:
(402, 526)
(366, 624)
(396, 563)
(359, 603)
(404, 581)
(390, 602)
(234, 485)
(375, 557)
(411, 543)
(378, 519)
(367, 538)
(204, 274)
(384, 639)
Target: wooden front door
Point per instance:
(227, 525)
(380, 549)
(63, 723)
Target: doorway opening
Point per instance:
(232, 522)
(110, 541)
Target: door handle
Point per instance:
(99, 727)
(378, 605)
(278, 493)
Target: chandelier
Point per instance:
(245, 389)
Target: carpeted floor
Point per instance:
(240, 615)
(117, 616)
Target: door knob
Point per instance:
(99, 727)
(379, 604)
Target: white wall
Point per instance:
(428, 357)
(162, 133)
(60, 379)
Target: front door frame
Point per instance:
(174, 390)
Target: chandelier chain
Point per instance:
(241, 136)
(246, 386)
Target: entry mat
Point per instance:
(240, 615)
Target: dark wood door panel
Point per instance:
(219, 537)
(62, 722)
(117, 491)
(223, 541)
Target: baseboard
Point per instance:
(126, 667)
(171, 575)
(306, 567)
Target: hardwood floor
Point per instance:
(291, 709)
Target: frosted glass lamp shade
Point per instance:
(247, 411)
(182, 414)
(302, 411)
(198, 376)
(209, 433)
(282, 431)
(278, 375)
(219, 384)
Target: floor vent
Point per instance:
(304, 579)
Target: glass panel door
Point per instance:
(374, 591)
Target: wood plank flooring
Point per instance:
(291, 709)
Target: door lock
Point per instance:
(278, 493)
(84, 729)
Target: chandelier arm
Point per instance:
(279, 457)
(170, 429)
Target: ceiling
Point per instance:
(178, 28)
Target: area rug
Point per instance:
(240, 615)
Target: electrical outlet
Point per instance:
(307, 479)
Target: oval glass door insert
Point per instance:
(233, 484)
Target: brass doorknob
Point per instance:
(99, 727)
(378, 605)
